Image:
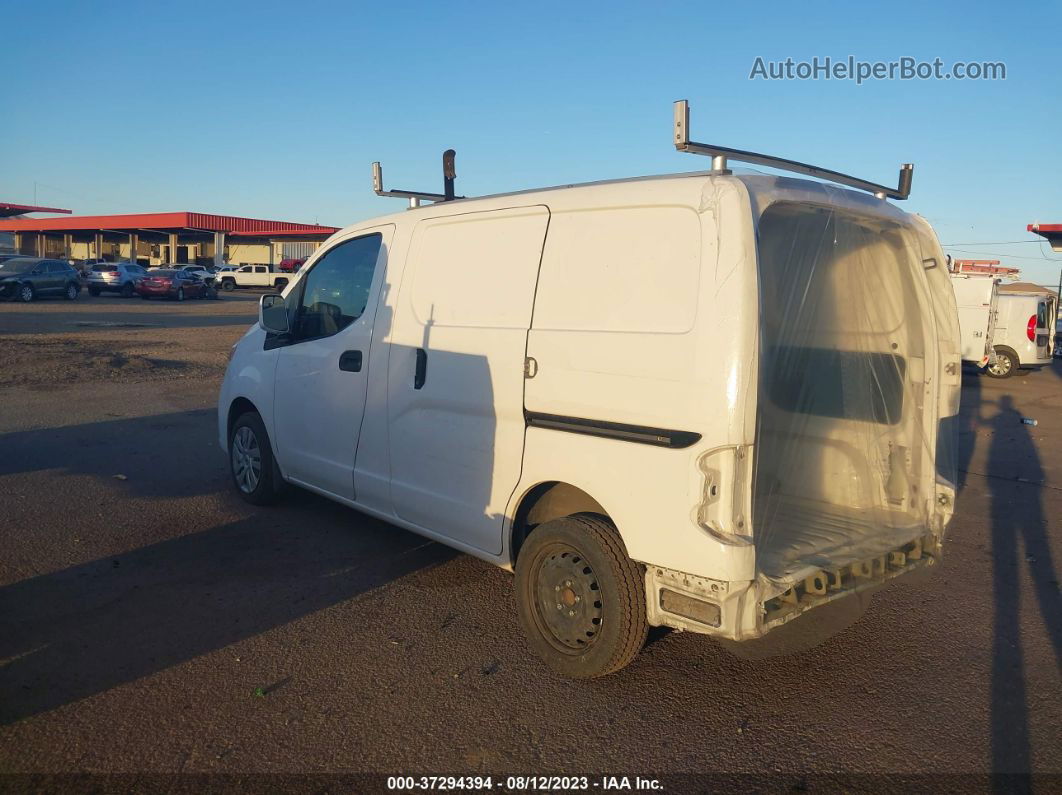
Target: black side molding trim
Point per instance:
(641, 434)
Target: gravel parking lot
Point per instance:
(150, 621)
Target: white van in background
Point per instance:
(975, 298)
(1024, 332)
(703, 401)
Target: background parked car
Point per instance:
(26, 278)
(115, 277)
(171, 283)
(204, 272)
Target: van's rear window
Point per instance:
(845, 384)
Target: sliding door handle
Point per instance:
(350, 361)
(421, 374)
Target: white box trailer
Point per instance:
(975, 298)
(1024, 332)
(704, 401)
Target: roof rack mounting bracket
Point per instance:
(415, 196)
(721, 154)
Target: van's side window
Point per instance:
(335, 292)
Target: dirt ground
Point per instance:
(152, 622)
(60, 343)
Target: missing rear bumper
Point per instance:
(738, 610)
(827, 585)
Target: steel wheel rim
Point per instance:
(567, 599)
(246, 460)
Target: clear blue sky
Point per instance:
(276, 110)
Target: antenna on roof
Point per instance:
(720, 155)
(415, 196)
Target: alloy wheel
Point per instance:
(246, 460)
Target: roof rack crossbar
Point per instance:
(721, 154)
(415, 196)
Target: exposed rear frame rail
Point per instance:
(720, 155)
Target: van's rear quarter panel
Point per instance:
(646, 314)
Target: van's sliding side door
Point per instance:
(456, 371)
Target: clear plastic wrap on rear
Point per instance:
(854, 466)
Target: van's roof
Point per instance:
(762, 189)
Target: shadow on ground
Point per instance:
(1024, 577)
(153, 453)
(74, 633)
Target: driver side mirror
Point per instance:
(273, 314)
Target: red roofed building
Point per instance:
(162, 238)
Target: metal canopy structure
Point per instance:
(8, 210)
(721, 154)
(180, 232)
(1052, 233)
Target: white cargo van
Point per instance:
(1023, 333)
(976, 296)
(703, 401)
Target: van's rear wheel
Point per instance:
(580, 598)
(1005, 366)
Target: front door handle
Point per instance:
(421, 375)
(350, 361)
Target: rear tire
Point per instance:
(254, 470)
(180, 293)
(228, 285)
(1006, 364)
(73, 290)
(580, 598)
(26, 293)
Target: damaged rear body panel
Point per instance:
(845, 478)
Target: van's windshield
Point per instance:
(845, 321)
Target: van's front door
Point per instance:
(456, 371)
(319, 396)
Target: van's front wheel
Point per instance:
(580, 598)
(254, 471)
